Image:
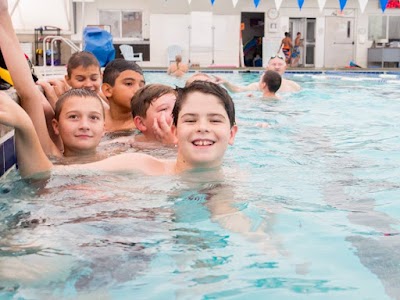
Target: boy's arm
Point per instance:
(31, 97)
(235, 88)
(30, 155)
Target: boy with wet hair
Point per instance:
(152, 113)
(204, 126)
(270, 83)
(121, 80)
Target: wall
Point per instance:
(180, 8)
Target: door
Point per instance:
(339, 41)
(306, 26)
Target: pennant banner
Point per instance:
(256, 2)
(363, 4)
(278, 4)
(300, 3)
(321, 4)
(234, 2)
(212, 2)
(189, 1)
(383, 4)
(342, 4)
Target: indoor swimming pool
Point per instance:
(305, 208)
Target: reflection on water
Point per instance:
(304, 208)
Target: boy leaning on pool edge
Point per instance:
(204, 126)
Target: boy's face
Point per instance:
(88, 78)
(203, 131)
(159, 107)
(125, 87)
(80, 125)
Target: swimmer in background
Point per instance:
(177, 68)
(276, 63)
(270, 83)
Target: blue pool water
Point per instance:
(305, 209)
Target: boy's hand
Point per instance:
(11, 114)
(4, 6)
(162, 130)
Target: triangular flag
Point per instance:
(234, 2)
(321, 4)
(212, 2)
(383, 4)
(256, 2)
(342, 4)
(300, 3)
(363, 4)
(189, 1)
(278, 4)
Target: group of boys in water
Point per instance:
(70, 118)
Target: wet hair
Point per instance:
(273, 80)
(116, 67)
(178, 59)
(82, 93)
(142, 99)
(197, 76)
(81, 58)
(204, 87)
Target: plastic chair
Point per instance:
(173, 51)
(128, 54)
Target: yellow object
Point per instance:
(5, 75)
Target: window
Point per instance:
(384, 28)
(124, 24)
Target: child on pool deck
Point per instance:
(204, 126)
(121, 80)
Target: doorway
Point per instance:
(306, 26)
(252, 38)
(339, 41)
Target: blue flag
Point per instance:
(342, 4)
(300, 2)
(212, 2)
(256, 2)
(384, 4)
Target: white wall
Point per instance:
(225, 16)
(28, 15)
(168, 29)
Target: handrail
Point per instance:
(53, 39)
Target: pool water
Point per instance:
(305, 208)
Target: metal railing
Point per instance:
(48, 44)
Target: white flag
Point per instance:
(235, 2)
(189, 1)
(321, 4)
(363, 4)
(278, 4)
